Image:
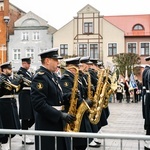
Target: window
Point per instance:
(138, 27)
(112, 49)
(94, 51)
(16, 54)
(88, 27)
(64, 49)
(145, 49)
(82, 50)
(132, 48)
(25, 36)
(36, 35)
(30, 52)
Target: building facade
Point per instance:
(8, 15)
(103, 37)
(32, 35)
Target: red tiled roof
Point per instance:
(127, 22)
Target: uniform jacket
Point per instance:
(144, 76)
(146, 82)
(105, 112)
(67, 83)
(8, 109)
(25, 106)
(46, 93)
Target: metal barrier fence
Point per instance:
(103, 136)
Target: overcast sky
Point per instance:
(59, 12)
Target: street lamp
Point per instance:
(6, 20)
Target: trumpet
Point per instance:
(9, 86)
(25, 80)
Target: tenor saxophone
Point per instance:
(93, 113)
(111, 89)
(73, 110)
(83, 106)
(73, 101)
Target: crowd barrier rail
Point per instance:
(86, 135)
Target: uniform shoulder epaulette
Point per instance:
(41, 73)
(64, 75)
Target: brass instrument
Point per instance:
(9, 86)
(83, 106)
(111, 89)
(25, 80)
(94, 109)
(73, 110)
(90, 92)
(73, 101)
(102, 101)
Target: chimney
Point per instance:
(6, 11)
(6, 7)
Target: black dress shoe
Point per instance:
(27, 143)
(97, 142)
(94, 145)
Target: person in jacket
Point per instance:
(25, 107)
(146, 102)
(8, 105)
(71, 82)
(47, 101)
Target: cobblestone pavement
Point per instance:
(125, 118)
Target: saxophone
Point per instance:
(94, 109)
(77, 112)
(112, 88)
(83, 106)
(73, 101)
(89, 92)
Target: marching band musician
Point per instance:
(8, 107)
(145, 101)
(1, 125)
(84, 67)
(105, 111)
(25, 107)
(67, 83)
(47, 101)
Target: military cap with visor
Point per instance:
(94, 61)
(147, 58)
(26, 59)
(51, 53)
(74, 61)
(86, 60)
(6, 65)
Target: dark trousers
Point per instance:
(26, 124)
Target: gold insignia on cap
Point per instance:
(39, 86)
(66, 84)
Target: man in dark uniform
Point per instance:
(1, 125)
(70, 83)
(86, 81)
(25, 108)
(145, 100)
(8, 107)
(105, 111)
(47, 100)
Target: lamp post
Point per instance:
(6, 20)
